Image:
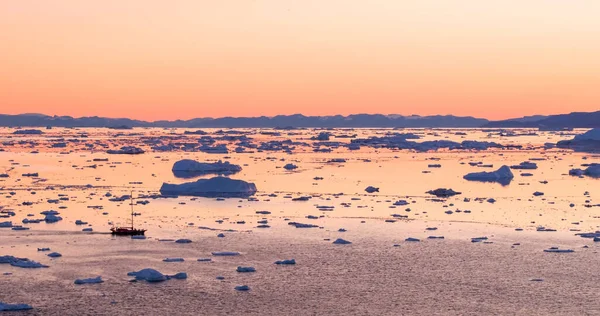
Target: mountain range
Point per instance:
(574, 120)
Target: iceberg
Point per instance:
(503, 176)
(341, 241)
(188, 168)
(444, 193)
(148, 275)
(213, 187)
(89, 280)
(586, 142)
(287, 261)
(4, 307)
(245, 269)
(242, 288)
(371, 189)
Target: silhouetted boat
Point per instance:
(128, 231)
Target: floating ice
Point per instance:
(245, 269)
(183, 241)
(502, 176)
(173, 260)
(557, 250)
(443, 192)
(225, 253)
(188, 168)
(242, 288)
(95, 280)
(54, 255)
(149, 275)
(214, 187)
(5, 307)
(288, 261)
(126, 150)
(341, 241)
(371, 189)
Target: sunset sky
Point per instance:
(179, 59)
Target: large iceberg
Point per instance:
(593, 170)
(502, 176)
(586, 142)
(213, 187)
(188, 168)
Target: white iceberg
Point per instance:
(214, 187)
(188, 168)
(503, 176)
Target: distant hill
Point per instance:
(296, 120)
(571, 120)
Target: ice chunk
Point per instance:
(173, 260)
(149, 275)
(225, 253)
(371, 189)
(89, 280)
(126, 150)
(188, 168)
(287, 261)
(179, 276)
(341, 241)
(443, 192)
(54, 255)
(290, 166)
(4, 307)
(242, 288)
(183, 241)
(245, 269)
(502, 176)
(214, 187)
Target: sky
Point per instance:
(180, 59)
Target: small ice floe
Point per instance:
(221, 235)
(242, 288)
(19, 228)
(263, 212)
(26, 263)
(88, 229)
(190, 168)
(245, 269)
(431, 228)
(443, 193)
(225, 253)
(54, 255)
(220, 277)
(544, 229)
(204, 260)
(479, 239)
(341, 241)
(412, 239)
(126, 150)
(342, 230)
(51, 218)
(289, 261)
(149, 275)
(95, 280)
(80, 222)
(557, 250)
(536, 280)
(43, 249)
(183, 241)
(8, 224)
(173, 260)
(179, 276)
(5, 307)
(371, 189)
(300, 225)
(538, 193)
(138, 237)
(527, 165)
(290, 166)
(503, 176)
(435, 237)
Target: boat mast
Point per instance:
(131, 209)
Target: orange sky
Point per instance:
(156, 59)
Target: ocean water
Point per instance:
(378, 274)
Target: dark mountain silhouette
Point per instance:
(571, 120)
(296, 120)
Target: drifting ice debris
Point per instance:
(290, 166)
(54, 255)
(525, 165)
(138, 237)
(336, 160)
(221, 235)
(214, 187)
(300, 225)
(593, 170)
(148, 275)
(371, 189)
(4, 307)
(341, 241)
(43, 249)
(225, 253)
(478, 239)
(173, 260)
(80, 222)
(50, 218)
(179, 276)
(95, 280)
(28, 132)
(401, 203)
(555, 249)
(188, 168)
(126, 150)
(412, 239)
(242, 288)
(204, 260)
(89, 229)
(245, 269)
(538, 193)
(290, 261)
(435, 237)
(6, 224)
(443, 192)
(183, 241)
(544, 229)
(502, 176)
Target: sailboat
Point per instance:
(125, 230)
